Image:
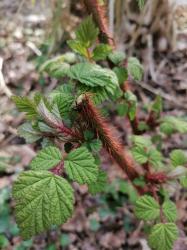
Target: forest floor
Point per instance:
(105, 221)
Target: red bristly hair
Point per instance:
(98, 11)
(97, 123)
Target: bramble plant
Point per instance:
(69, 125)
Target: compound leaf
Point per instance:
(147, 208)
(42, 200)
(80, 166)
(46, 158)
(163, 236)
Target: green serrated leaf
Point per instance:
(52, 63)
(42, 200)
(99, 185)
(28, 133)
(166, 128)
(163, 236)
(140, 155)
(135, 68)
(87, 32)
(101, 51)
(121, 73)
(24, 104)
(78, 47)
(65, 89)
(178, 158)
(46, 158)
(95, 145)
(154, 157)
(93, 75)
(80, 166)
(64, 103)
(99, 94)
(147, 208)
(58, 66)
(70, 57)
(60, 71)
(117, 57)
(176, 124)
(143, 141)
(170, 211)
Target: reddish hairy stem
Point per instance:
(92, 115)
(97, 123)
(68, 131)
(97, 9)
